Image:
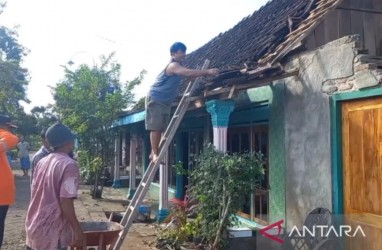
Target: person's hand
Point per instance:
(79, 240)
(213, 72)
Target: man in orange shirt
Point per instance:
(7, 182)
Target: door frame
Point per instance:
(336, 140)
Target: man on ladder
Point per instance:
(161, 95)
(163, 92)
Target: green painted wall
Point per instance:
(261, 94)
(255, 114)
(277, 201)
(274, 96)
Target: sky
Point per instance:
(140, 32)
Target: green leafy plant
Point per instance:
(89, 100)
(179, 169)
(180, 227)
(90, 168)
(221, 182)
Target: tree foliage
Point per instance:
(27, 123)
(44, 116)
(13, 78)
(89, 100)
(10, 47)
(221, 182)
(140, 104)
(13, 82)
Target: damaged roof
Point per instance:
(251, 38)
(255, 45)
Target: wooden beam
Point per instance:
(232, 92)
(360, 10)
(225, 91)
(253, 84)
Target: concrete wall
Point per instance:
(335, 67)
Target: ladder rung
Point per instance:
(143, 184)
(131, 208)
(187, 94)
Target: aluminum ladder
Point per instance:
(148, 177)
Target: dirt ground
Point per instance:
(87, 209)
(140, 237)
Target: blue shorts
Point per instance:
(25, 162)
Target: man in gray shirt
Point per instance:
(41, 153)
(163, 92)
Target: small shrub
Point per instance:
(221, 182)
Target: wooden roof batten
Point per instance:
(296, 37)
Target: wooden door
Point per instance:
(362, 162)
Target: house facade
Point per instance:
(301, 83)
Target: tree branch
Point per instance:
(221, 224)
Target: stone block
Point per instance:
(330, 83)
(365, 79)
(329, 89)
(341, 81)
(370, 66)
(355, 40)
(377, 73)
(345, 86)
(335, 62)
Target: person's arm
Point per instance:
(67, 207)
(175, 68)
(7, 140)
(68, 192)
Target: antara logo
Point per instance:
(326, 231)
(265, 232)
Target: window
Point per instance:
(139, 156)
(195, 147)
(260, 143)
(192, 146)
(245, 139)
(126, 157)
(170, 163)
